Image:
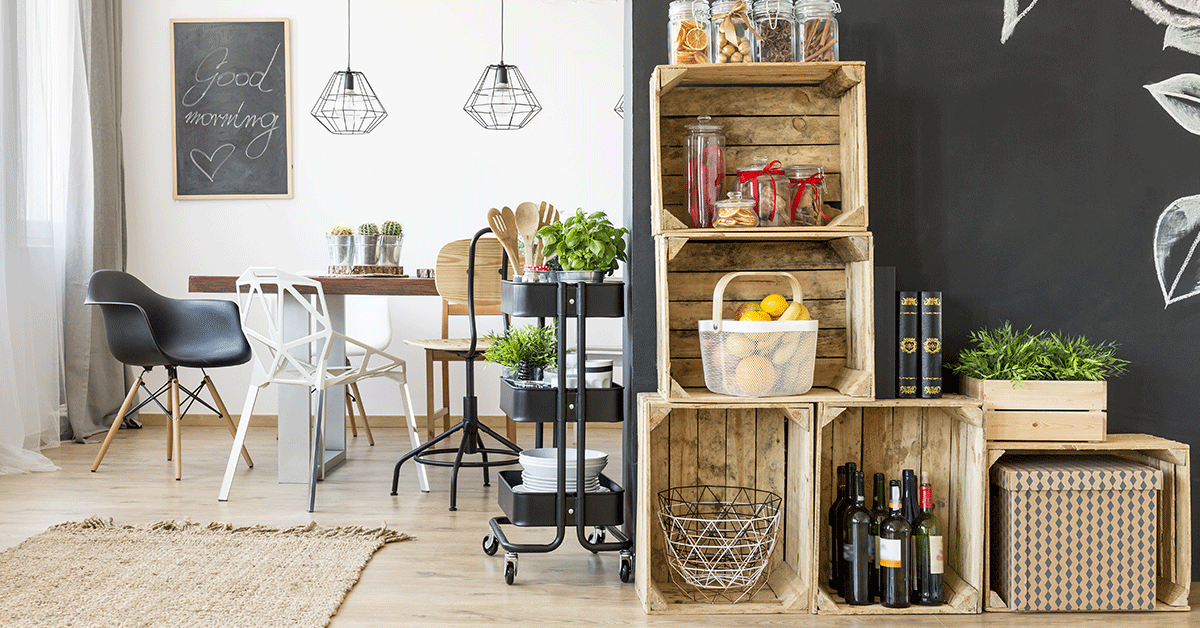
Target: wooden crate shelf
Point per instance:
(798, 113)
(767, 447)
(835, 272)
(1174, 516)
(943, 437)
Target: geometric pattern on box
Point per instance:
(719, 539)
(1075, 533)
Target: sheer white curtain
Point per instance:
(46, 141)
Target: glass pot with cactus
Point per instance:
(366, 245)
(338, 242)
(391, 236)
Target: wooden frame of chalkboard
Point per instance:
(231, 108)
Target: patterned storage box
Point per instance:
(1074, 533)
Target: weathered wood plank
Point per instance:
(771, 469)
(765, 100)
(710, 450)
(724, 256)
(816, 284)
(759, 130)
(741, 441)
(684, 461)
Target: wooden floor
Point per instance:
(442, 578)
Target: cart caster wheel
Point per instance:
(596, 537)
(490, 545)
(626, 567)
(510, 568)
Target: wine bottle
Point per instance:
(909, 501)
(839, 519)
(927, 546)
(856, 531)
(835, 548)
(893, 552)
(878, 514)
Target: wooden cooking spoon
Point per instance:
(547, 216)
(504, 226)
(527, 226)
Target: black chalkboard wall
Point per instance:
(231, 109)
(1025, 180)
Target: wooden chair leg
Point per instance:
(446, 395)
(350, 412)
(176, 415)
(510, 429)
(112, 431)
(212, 390)
(429, 413)
(170, 431)
(362, 412)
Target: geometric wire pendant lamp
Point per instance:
(348, 105)
(502, 100)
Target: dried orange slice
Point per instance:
(699, 57)
(685, 57)
(696, 39)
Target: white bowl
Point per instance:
(543, 462)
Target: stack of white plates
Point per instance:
(539, 469)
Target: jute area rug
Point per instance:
(182, 574)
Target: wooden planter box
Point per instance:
(943, 437)
(1042, 410)
(798, 113)
(835, 273)
(767, 447)
(1173, 558)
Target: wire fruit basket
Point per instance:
(719, 539)
(757, 358)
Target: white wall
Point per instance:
(428, 165)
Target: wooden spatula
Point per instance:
(527, 226)
(547, 215)
(503, 224)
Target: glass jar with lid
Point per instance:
(732, 31)
(766, 184)
(776, 26)
(705, 170)
(689, 32)
(736, 212)
(817, 30)
(808, 195)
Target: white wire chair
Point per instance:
(277, 361)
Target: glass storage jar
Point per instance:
(776, 26)
(705, 170)
(734, 36)
(735, 213)
(689, 32)
(817, 30)
(808, 195)
(767, 185)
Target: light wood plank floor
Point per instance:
(442, 578)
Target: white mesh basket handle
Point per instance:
(719, 290)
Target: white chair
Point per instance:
(368, 319)
(276, 360)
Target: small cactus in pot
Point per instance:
(368, 229)
(340, 230)
(338, 240)
(390, 228)
(391, 235)
(366, 245)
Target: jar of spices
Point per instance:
(767, 185)
(735, 213)
(735, 36)
(817, 30)
(776, 25)
(808, 195)
(705, 170)
(689, 33)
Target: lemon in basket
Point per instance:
(774, 305)
(755, 375)
(755, 315)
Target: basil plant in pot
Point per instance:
(525, 350)
(586, 247)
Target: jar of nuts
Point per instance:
(776, 30)
(808, 193)
(736, 39)
(735, 213)
(767, 185)
(689, 32)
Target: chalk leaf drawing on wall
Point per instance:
(1175, 239)
(1013, 14)
(1181, 13)
(1180, 96)
(1185, 39)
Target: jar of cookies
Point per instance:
(767, 185)
(735, 213)
(689, 32)
(808, 195)
(736, 40)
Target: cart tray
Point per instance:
(537, 509)
(540, 300)
(540, 405)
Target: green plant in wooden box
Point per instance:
(584, 242)
(1039, 386)
(526, 349)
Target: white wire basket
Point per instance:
(719, 539)
(757, 358)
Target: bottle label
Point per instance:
(891, 553)
(936, 561)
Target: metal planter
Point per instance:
(366, 250)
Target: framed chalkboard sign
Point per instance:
(231, 108)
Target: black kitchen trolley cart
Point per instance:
(595, 516)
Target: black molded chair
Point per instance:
(147, 329)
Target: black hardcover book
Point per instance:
(931, 345)
(885, 332)
(908, 331)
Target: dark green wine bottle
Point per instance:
(835, 548)
(928, 548)
(894, 551)
(856, 531)
(836, 538)
(878, 514)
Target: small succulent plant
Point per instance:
(340, 230)
(390, 228)
(368, 228)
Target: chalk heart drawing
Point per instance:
(1013, 14)
(1175, 239)
(209, 163)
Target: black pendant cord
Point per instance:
(501, 32)
(347, 35)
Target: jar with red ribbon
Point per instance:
(767, 184)
(808, 195)
(705, 170)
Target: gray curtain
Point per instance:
(95, 381)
